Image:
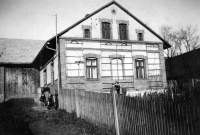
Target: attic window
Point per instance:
(123, 31)
(87, 31)
(140, 35)
(123, 27)
(106, 30)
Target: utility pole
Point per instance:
(58, 55)
(57, 50)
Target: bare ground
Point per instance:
(18, 118)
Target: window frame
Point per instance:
(121, 31)
(138, 32)
(91, 59)
(139, 68)
(140, 36)
(122, 70)
(105, 20)
(45, 76)
(127, 28)
(84, 27)
(135, 57)
(105, 30)
(98, 57)
(88, 34)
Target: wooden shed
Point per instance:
(18, 76)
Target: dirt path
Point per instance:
(18, 118)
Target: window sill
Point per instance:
(141, 79)
(92, 79)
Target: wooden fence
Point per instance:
(136, 116)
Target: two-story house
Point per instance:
(108, 45)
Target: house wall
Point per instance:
(72, 52)
(21, 82)
(74, 47)
(51, 75)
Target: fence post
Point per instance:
(77, 103)
(115, 114)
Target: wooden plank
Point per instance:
(123, 116)
(163, 131)
(145, 117)
(106, 109)
(187, 119)
(132, 116)
(176, 118)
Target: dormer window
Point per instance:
(87, 31)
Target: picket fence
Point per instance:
(136, 116)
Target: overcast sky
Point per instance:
(34, 19)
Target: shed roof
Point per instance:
(19, 51)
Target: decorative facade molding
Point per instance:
(86, 27)
(139, 31)
(106, 20)
(145, 64)
(116, 56)
(91, 55)
(88, 55)
(122, 21)
(101, 20)
(139, 56)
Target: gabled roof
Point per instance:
(166, 44)
(19, 51)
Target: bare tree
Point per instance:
(169, 36)
(183, 40)
(181, 70)
(189, 38)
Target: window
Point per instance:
(117, 68)
(106, 30)
(140, 37)
(123, 31)
(140, 68)
(91, 68)
(86, 33)
(45, 76)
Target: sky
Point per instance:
(35, 19)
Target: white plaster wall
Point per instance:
(49, 73)
(41, 79)
(106, 13)
(56, 68)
